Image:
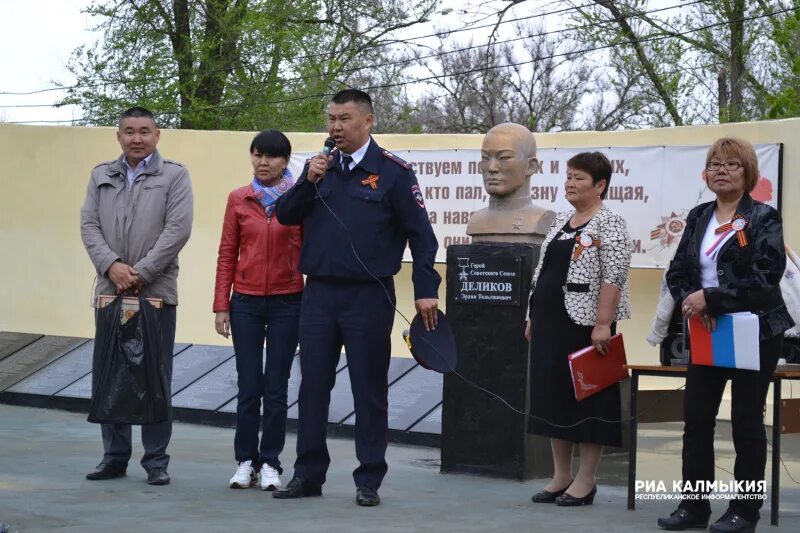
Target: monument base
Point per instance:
(487, 302)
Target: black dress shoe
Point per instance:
(157, 476)
(681, 519)
(732, 522)
(546, 496)
(568, 500)
(106, 471)
(298, 488)
(367, 497)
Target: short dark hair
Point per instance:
(137, 112)
(353, 95)
(272, 143)
(595, 164)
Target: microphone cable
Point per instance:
(436, 351)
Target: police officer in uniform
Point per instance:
(358, 207)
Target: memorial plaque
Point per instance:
(432, 423)
(487, 280)
(211, 391)
(33, 357)
(410, 397)
(82, 388)
(480, 434)
(60, 373)
(11, 342)
(196, 361)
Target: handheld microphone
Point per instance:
(330, 144)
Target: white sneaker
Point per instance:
(269, 478)
(244, 477)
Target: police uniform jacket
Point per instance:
(375, 209)
(749, 270)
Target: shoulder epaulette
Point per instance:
(104, 163)
(172, 161)
(389, 155)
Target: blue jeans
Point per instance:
(254, 319)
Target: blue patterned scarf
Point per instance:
(269, 195)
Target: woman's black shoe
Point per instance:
(546, 496)
(568, 500)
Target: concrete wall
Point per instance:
(46, 276)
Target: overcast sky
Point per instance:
(36, 39)
(38, 36)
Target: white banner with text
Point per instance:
(653, 187)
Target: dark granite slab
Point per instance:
(341, 406)
(211, 391)
(194, 362)
(432, 423)
(35, 356)
(11, 342)
(293, 391)
(60, 373)
(410, 397)
(82, 388)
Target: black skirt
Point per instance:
(554, 411)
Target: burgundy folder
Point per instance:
(592, 372)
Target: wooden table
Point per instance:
(680, 372)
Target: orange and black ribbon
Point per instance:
(584, 243)
(372, 181)
(738, 224)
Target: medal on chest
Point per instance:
(738, 224)
(584, 241)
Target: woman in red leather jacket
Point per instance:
(258, 258)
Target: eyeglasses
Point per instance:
(730, 166)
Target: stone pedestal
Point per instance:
(487, 302)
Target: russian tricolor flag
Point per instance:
(733, 344)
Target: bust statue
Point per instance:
(508, 160)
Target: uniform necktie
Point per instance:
(346, 160)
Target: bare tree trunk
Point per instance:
(222, 30)
(737, 67)
(722, 96)
(181, 37)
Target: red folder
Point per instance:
(592, 372)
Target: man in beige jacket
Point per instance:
(136, 218)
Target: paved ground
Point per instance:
(44, 455)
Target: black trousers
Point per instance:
(704, 388)
(359, 316)
(117, 438)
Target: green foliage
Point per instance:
(231, 64)
(785, 102)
